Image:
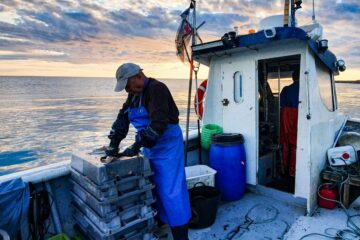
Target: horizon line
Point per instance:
(166, 78)
(42, 76)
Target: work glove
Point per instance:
(113, 148)
(131, 151)
(118, 132)
(112, 152)
(147, 137)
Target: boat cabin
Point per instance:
(247, 74)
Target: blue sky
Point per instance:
(91, 38)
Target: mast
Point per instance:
(292, 23)
(193, 32)
(313, 15)
(286, 13)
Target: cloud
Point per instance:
(95, 31)
(219, 23)
(31, 56)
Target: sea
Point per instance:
(44, 119)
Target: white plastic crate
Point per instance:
(200, 174)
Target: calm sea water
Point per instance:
(42, 119)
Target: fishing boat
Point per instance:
(247, 73)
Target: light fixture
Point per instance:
(341, 65)
(323, 45)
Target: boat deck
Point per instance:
(326, 221)
(253, 217)
(256, 217)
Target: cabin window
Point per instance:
(238, 87)
(325, 81)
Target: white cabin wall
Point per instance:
(212, 102)
(302, 174)
(242, 117)
(324, 127)
(213, 110)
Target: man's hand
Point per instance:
(131, 151)
(107, 159)
(111, 151)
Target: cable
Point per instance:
(39, 213)
(353, 231)
(249, 221)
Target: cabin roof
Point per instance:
(261, 39)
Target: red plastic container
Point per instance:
(330, 192)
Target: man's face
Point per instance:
(135, 85)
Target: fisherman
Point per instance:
(289, 101)
(151, 109)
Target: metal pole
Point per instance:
(188, 111)
(279, 147)
(307, 81)
(54, 212)
(196, 69)
(194, 24)
(286, 13)
(266, 104)
(193, 5)
(279, 100)
(292, 13)
(313, 15)
(196, 82)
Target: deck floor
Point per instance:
(332, 219)
(290, 222)
(271, 219)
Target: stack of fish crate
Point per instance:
(112, 201)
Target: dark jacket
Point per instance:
(159, 103)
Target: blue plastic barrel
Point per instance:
(227, 157)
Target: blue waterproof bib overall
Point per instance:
(167, 162)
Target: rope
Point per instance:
(353, 230)
(250, 221)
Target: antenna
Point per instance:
(313, 16)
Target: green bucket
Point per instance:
(206, 133)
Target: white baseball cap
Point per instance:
(123, 73)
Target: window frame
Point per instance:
(321, 67)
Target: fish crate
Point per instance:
(112, 205)
(139, 229)
(112, 188)
(199, 174)
(89, 165)
(114, 220)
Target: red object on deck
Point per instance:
(330, 192)
(288, 138)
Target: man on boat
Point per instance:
(289, 101)
(151, 109)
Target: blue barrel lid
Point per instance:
(227, 138)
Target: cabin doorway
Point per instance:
(274, 169)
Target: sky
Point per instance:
(91, 38)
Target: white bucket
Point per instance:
(200, 173)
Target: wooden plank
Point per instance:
(353, 180)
